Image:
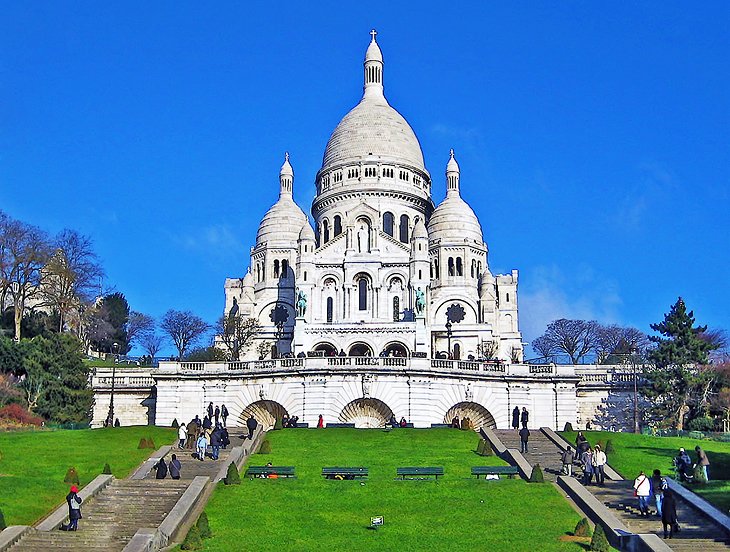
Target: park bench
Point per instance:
(340, 425)
(303, 425)
(344, 473)
(440, 426)
(419, 472)
(281, 471)
(495, 470)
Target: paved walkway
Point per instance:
(112, 517)
(698, 534)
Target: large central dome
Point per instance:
(372, 127)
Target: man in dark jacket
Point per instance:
(251, 424)
(161, 469)
(210, 410)
(516, 418)
(669, 513)
(174, 467)
(217, 414)
(224, 414)
(524, 436)
(567, 460)
(74, 508)
(216, 441)
(524, 417)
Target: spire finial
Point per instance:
(286, 155)
(373, 33)
(451, 152)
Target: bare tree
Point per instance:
(237, 333)
(618, 340)
(575, 338)
(33, 389)
(24, 252)
(138, 325)
(545, 346)
(487, 349)
(720, 342)
(263, 349)
(151, 342)
(72, 274)
(184, 329)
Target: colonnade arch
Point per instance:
(266, 413)
(479, 416)
(366, 413)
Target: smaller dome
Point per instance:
(373, 52)
(419, 230)
(247, 279)
(286, 168)
(306, 233)
(454, 221)
(281, 223)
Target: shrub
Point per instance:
(568, 427)
(175, 424)
(116, 423)
(484, 448)
(232, 476)
(609, 448)
(71, 476)
(204, 526)
(107, 469)
(192, 541)
(278, 424)
(265, 447)
(699, 475)
(3, 525)
(583, 529)
(151, 443)
(536, 475)
(599, 542)
(701, 423)
(15, 413)
(142, 443)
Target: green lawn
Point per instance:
(643, 452)
(33, 464)
(456, 513)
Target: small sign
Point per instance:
(376, 521)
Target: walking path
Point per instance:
(123, 507)
(698, 533)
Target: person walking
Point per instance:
(320, 421)
(201, 446)
(599, 461)
(251, 424)
(217, 415)
(74, 508)
(581, 444)
(669, 513)
(587, 460)
(524, 417)
(642, 489)
(182, 435)
(161, 469)
(524, 437)
(567, 460)
(703, 462)
(658, 486)
(224, 414)
(216, 442)
(174, 467)
(210, 410)
(516, 418)
(683, 465)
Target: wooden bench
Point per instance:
(340, 425)
(420, 472)
(440, 426)
(511, 471)
(344, 473)
(266, 471)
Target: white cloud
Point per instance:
(217, 239)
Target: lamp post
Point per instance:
(636, 393)
(449, 325)
(110, 416)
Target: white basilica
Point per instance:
(382, 272)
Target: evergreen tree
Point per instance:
(599, 542)
(676, 378)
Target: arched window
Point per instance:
(437, 274)
(430, 272)
(338, 225)
(507, 297)
(362, 294)
(326, 231)
(473, 268)
(388, 222)
(403, 230)
(451, 266)
(396, 309)
(459, 267)
(457, 351)
(330, 309)
(276, 268)
(420, 274)
(305, 275)
(258, 272)
(284, 268)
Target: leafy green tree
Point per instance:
(677, 378)
(11, 357)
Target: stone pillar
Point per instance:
(298, 345)
(423, 341)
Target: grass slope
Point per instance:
(33, 464)
(456, 513)
(644, 452)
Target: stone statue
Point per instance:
(363, 239)
(301, 303)
(420, 301)
(468, 394)
(365, 387)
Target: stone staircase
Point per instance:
(192, 467)
(111, 518)
(698, 533)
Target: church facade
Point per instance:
(383, 272)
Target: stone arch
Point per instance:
(396, 348)
(266, 413)
(366, 413)
(479, 416)
(360, 348)
(327, 347)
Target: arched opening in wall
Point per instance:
(265, 412)
(338, 225)
(388, 223)
(366, 413)
(396, 349)
(360, 349)
(326, 231)
(284, 268)
(451, 266)
(330, 310)
(477, 414)
(457, 352)
(403, 229)
(362, 294)
(459, 267)
(276, 268)
(327, 348)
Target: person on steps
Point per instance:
(581, 444)
(201, 446)
(216, 441)
(524, 417)
(587, 460)
(669, 513)
(174, 467)
(182, 435)
(524, 437)
(642, 488)
(161, 469)
(567, 460)
(74, 508)
(217, 414)
(599, 461)
(251, 424)
(516, 418)
(224, 414)
(210, 410)
(658, 486)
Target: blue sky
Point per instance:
(592, 138)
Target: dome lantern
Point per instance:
(373, 69)
(452, 176)
(286, 176)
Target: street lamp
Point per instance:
(449, 325)
(110, 416)
(636, 392)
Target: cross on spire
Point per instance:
(373, 33)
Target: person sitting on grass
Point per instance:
(456, 423)
(403, 422)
